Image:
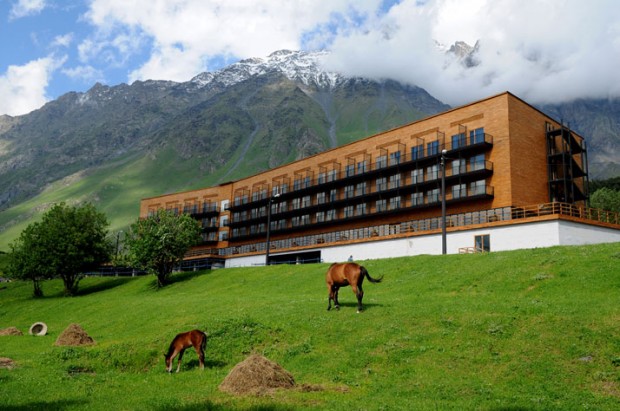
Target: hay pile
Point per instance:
(256, 375)
(7, 363)
(11, 331)
(74, 335)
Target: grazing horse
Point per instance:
(343, 274)
(181, 342)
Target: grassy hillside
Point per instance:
(532, 329)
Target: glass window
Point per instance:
(381, 205)
(395, 203)
(476, 162)
(417, 152)
(360, 209)
(350, 170)
(321, 179)
(459, 190)
(477, 187)
(305, 201)
(432, 172)
(417, 176)
(483, 242)
(395, 181)
(361, 167)
(459, 140)
(381, 162)
(381, 184)
(333, 194)
(458, 166)
(349, 191)
(331, 215)
(320, 216)
(432, 148)
(476, 136)
(417, 199)
(395, 158)
(433, 195)
(320, 198)
(332, 175)
(360, 189)
(348, 211)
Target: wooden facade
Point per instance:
(499, 155)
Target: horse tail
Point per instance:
(364, 273)
(203, 344)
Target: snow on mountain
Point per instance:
(301, 66)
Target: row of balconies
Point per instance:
(283, 222)
(368, 191)
(352, 173)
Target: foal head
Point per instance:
(168, 358)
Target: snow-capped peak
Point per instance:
(301, 66)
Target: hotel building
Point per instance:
(496, 174)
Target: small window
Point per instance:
(483, 243)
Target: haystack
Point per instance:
(7, 363)
(11, 331)
(74, 335)
(256, 375)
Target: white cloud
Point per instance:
(191, 32)
(84, 73)
(24, 8)
(63, 40)
(23, 87)
(544, 51)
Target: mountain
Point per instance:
(115, 145)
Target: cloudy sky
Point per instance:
(541, 50)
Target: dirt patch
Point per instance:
(11, 331)
(258, 376)
(7, 363)
(74, 335)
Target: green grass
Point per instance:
(532, 329)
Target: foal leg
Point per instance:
(330, 297)
(201, 356)
(180, 358)
(337, 304)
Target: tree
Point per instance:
(158, 243)
(68, 242)
(606, 199)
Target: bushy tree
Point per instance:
(158, 243)
(606, 199)
(68, 242)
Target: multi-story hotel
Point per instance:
(496, 174)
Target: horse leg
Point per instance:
(336, 303)
(359, 293)
(201, 355)
(180, 358)
(330, 296)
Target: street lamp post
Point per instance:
(443, 202)
(269, 226)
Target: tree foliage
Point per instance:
(606, 199)
(66, 243)
(158, 243)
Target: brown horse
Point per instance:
(181, 342)
(343, 274)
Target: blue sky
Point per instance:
(542, 50)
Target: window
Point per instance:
(321, 178)
(417, 199)
(381, 162)
(395, 181)
(433, 195)
(350, 170)
(295, 221)
(332, 175)
(305, 219)
(305, 201)
(360, 189)
(459, 140)
(320, 198)
(331, 215)
(417, 176)
(476, 162)
(307, 182)
(361, 167)
(395, 158)
(477, 187)
(295, 203)
(432, 172)
(320, 216)
(417, 152)
(360, 209)
(381, 184)
(333, 194)
(476, 136)
(284, 188)
(395, 203)
(348, 211)
(432, 148)
(380, 205)
(458, 166)
(349, 191)
(483, 242)
(459, 190)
